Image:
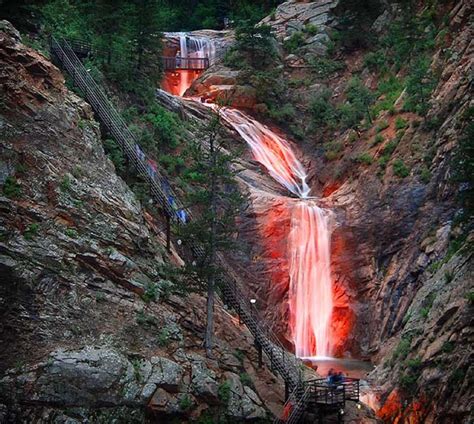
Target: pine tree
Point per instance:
(217, 200)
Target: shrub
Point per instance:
(65, 184)
(457, 377)
(324, 67)
(151, 292)
(246, 380)
(283, 114)
(375, 60)
(470, 297)
(364, 158)
(240, 355)
(420, 84)
(408, 382)
(403, 349)
(382, 126)
(294, 42)
(322, 111)
(31, 231)
(163, 337)
(137, 369)
(425, 175)
(447, 347)
(448, 277)
(114, 152)
(390, 147)
(71, 232)
(11, 188)
(332, 150)
(388, 91)
(144, 319)
(223, 391)
(400, 123)
(378, 139)
(184, 402)
(165, 125)
(400, 169)
(311, 29)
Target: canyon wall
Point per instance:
(92, 329)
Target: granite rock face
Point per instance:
(77, 251)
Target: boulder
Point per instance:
(243, 403)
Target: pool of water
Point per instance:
(349, 367)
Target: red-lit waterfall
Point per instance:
(310, 293)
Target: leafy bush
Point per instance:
(425, 175)
(356, 108)
(223, 391)
(163, 337)
(165, 125)
(71, 232)
(137, 369)
(294, 42)
(420, 84)
(65, 184)
(403, 349)
(145, 320)
(400, 123)
(246, 380)
(11, 188)
(447, 347)
(332, 150)
(31, 231)
(184, 402)
(400, 169)
(364, 158)
(324, 67)
(470, 297)
(388, 90)
(375, 61)
(311, 29)
(283, 114)
(114, 152)
(378, 139)
(382, 126)
(151, 292)
(322, 111)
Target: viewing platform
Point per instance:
(171, 63)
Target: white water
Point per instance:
(310, 294)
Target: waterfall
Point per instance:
(310, 295)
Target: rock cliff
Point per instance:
(92, 329)
(402, 254)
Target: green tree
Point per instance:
(215, 197)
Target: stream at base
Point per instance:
(310, 294)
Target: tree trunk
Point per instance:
(208, 343)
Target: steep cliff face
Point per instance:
(402, 263)
(91, 327)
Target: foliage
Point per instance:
(425, 174)
(420, 84)
(31, 231)
(163, 337)
(403, 349)
(150, 293)
(254, 47)
(223, 391)
(332, 150)
(359, 98)
(246, 380)
(378, 139)
(71, 232)
(295, 41)
(137, 369)
(65, 184)
(11, 188)
(165, 125)
(185, 402)
(322, 111)
(470, 297)
(323, 67)
(388, 91)
(381, 126)
(400, 169)
(400, 123)
(144, 319)
(364, 158)
(114, 152)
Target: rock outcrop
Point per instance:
(91, 329)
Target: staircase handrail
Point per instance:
(120, 131)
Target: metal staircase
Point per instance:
(281, 362)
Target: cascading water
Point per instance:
(310, 294)
(190, 47)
